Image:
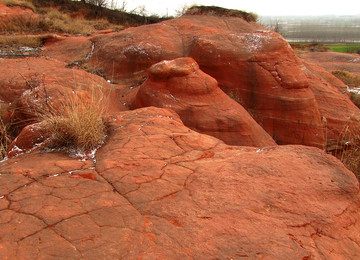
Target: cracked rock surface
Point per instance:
(157, 189)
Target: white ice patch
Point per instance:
(353, 90)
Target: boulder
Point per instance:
(33, 137)
(256, 67)
(157, 189)
(34, 85)
(180, 85)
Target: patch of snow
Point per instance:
(353, 90)
(55, 175)
(26, 49)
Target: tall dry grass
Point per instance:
(348, 78)
(53, 20)
(349, 151)
(21, 40)
(5, 137)
(79, 123)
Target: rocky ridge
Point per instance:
(186, 171)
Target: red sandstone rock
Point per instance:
(334, 61)
(31, 85)
(32, 137)
(180, 85)
(255, 66)
(334, 105)
(159, 190)
(72, 50)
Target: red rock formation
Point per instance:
(72, 50)
(157, 189)
(160, 190)
(32, 137)
(32, 85)
(334, 105)
(180, 85)
(255, 66)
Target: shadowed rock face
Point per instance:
(256, 67)
(159, 190)
(201, 104)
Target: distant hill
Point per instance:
(329, 28)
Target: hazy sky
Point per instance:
(261, 7)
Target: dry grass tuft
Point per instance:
(5, 138)
(19, 41)
(348, 78)
(79, 125)
(53, 21)
(21, 3)
(349, 153)
(221, 12)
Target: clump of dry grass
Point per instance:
(348, 78)
(21, 24)
(222, 12)
(21, 3)
(79, 125)
(20, 40)
(5, 138)
(53, 21)
(349, 153)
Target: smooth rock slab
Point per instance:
(160, 190)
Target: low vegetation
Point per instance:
(21, 3)
(218, 11)
(54, 21)
(348, 78)
(346, 48)
(79, 125)
(349, 153)
(5, 138)
(20, 40)
(321, 47)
